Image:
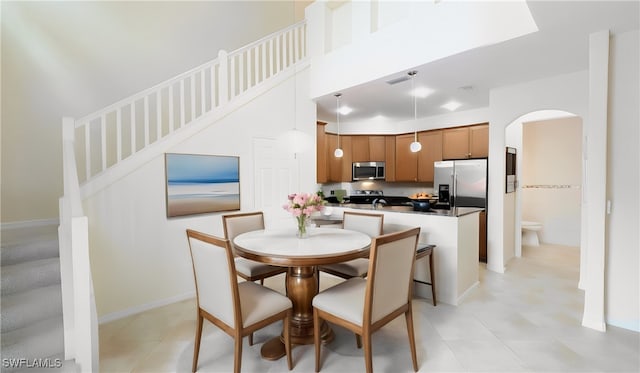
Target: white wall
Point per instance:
(566, 92)
(139, 257)
(622, 307)
(390, 39)
(569, 92)
(64, 58)
(552, 178)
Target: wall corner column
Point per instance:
(596, 180)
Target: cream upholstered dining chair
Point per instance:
(369, 224)
(365, 305)
(237, 308)
(236, 224)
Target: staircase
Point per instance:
(105, 146)
(31, 318)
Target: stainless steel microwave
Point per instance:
(368, 171)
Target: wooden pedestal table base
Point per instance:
(302, 286)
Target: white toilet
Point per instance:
(530, 232)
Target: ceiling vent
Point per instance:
(398, 80)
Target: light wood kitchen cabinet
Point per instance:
(465, 142)
(431, 152)
(347, 158)
(360, 148)
(479, 141)
(406, 161)
(368, 148)
(401, 163)
(377, 149)
(339, 168)
(390, 157)
(322, 160)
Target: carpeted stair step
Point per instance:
(14, 253)
(30, 275)
(36, 341)
(25, 308)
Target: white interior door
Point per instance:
(275, 176)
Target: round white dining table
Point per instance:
(282, 247)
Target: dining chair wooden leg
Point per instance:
(358, 341)
(412, 340)
(286, 330)
(237, 355)
(316, 337)
(196, 344)
(251, 339)
(368, 359)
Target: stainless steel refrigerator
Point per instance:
(465, 181)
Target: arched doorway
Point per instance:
(553, 193)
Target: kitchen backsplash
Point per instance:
(389, 189)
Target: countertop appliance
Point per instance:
(368, 171)
(464, 181)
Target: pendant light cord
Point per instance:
(415, 104)
(338, 115)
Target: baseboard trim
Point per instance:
(29, 224)
(144, 307)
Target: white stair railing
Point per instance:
(93, 145)
(115, 133)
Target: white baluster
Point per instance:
(223, 78)
(103, 140)
(256, 65)
(232, 78)
(263, 48)
(202, 92)
(296, 49)
(193, 97)
(133, 127)
(146, 120)
(214, 87)
(241, 72)
(119, 134)
(171, 104)
(278, 54)
(87, 149)
(182, 113)
(159, 114)
(271, 57)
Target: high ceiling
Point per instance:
(560, 46)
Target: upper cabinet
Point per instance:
(401, 163)
(406, 161)
(368, 148)
(465, 142)
(479, 141)
(417, 166)
(322, 152)
(431, 152)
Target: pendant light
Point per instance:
(338, 153)
(415, 145)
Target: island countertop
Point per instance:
(455, 234)
(453, 212)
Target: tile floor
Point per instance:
(527, 319)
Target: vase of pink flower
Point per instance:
(301, 206)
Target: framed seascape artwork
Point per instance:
(198, 184)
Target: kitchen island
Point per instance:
(455, 234)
